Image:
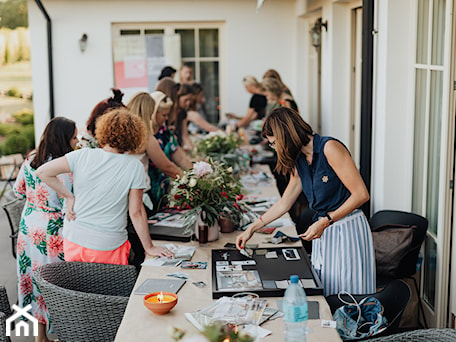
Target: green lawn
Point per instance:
(17, 75)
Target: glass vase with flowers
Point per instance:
(208, 191)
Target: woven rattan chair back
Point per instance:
(86, 301)
(422, 335)
(5, 312)
(13, 209)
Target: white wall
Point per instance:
(252, 44)
(392, 154)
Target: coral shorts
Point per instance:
(75, 252)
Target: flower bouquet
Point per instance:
(225, 148)
(216, 332)
(209, 191)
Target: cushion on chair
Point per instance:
(392, 243)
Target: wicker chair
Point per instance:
(13, 209)
(86, 301)
(422, 335)
(5, 312)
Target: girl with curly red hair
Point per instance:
(108, 183)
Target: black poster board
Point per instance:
(233, 272)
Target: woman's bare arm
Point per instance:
(289, 197)
(197, 119)
(158, 157)
(48, 174)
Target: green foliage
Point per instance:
(14, 13)
(9, 128)
(215, 332)
(218, 142)
(15, 143)
(24, 117)
(20, 135)
(7, 57)
(13, 92)
(29, 132)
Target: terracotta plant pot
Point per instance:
(226, 225)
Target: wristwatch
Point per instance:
(330, 219)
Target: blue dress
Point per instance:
(344, 255)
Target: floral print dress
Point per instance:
(159, 181)
(39, 241)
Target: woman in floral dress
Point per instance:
(39, 241)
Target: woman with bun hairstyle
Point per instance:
(87, 138)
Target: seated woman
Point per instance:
(196, 115)
(272, 73)
(108, 183)
(257, 105)
(87, 138)
(275, 93)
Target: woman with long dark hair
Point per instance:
(39, 241)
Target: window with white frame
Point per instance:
(140, 51)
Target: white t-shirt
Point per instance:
(101, 182)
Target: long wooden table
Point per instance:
(139, 324)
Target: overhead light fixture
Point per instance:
(83, 42)
(315, 32)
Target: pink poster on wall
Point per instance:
(131, 73)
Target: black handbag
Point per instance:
(392, 242)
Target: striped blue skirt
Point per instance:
(344, 256)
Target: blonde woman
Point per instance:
(257, 105)
(163, 158)
(275, 93)
(272, 73)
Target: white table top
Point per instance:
(139, 324)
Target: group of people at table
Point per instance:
(88, 196)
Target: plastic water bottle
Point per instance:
(295, 311)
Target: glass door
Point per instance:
(431, 190)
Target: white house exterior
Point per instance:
(413, 99)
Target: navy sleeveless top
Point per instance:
(323, 189)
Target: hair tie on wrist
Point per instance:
(261, 219)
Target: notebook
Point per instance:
(158, 285)
(169, 233)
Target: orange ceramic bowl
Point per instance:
(152, 302)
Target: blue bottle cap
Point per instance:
(294, 279)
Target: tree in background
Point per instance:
(13, 14)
